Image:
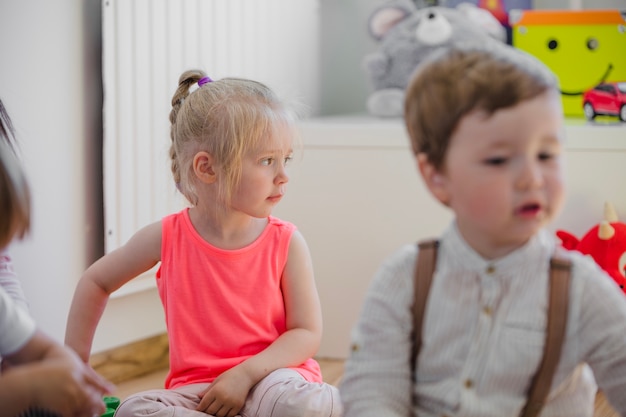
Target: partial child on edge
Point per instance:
(40, 376)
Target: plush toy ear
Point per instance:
(570, 242)
(386, 17)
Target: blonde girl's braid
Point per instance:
(185, 82)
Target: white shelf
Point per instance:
(354, 131)
(360, 130)
(583, 135)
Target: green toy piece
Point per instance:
(582, 47)
(111, 404)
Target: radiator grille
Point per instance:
(147, 45)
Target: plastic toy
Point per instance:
(496, 8)
(500, 9)
(407, 35)
(605, 243)
(608, 99)
(583, 48)
(111, 404)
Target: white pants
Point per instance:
(283, 393)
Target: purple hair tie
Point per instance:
(204, 80)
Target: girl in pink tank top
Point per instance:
(237, 286)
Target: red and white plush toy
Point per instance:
(605, 243)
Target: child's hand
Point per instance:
(226, 396)
(64, 387)
(78, 392)
(47, 375)
(88, 387)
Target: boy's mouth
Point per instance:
(530, 209)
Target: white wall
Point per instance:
(345, 41)
(51, 85)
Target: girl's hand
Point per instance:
(227, 394)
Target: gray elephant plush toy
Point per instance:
(407, 34)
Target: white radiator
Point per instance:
(147, 45)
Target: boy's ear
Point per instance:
(435, 180)
(203, 167)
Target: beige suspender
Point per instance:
(557, 319)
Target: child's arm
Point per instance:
(304, 316)
(299, 343)
(110, 272)
(49, 376)
(377, 375)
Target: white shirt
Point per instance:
(16, 326)
(483, 335)
(9, 280)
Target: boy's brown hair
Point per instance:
(456, 81)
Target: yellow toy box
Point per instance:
(582, 47)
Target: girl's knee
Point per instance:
(147, 403)
(137, 404)
(312, 399)
(297, 397)
(163, 403)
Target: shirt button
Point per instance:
(469, 383)
(487, 310)
(491, 269)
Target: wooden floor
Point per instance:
(603, 409)
(332, 370)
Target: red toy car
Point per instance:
(606, 99)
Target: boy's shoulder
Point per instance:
(588, 273)
(402, 257)
(401, 262)
(396, 270)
